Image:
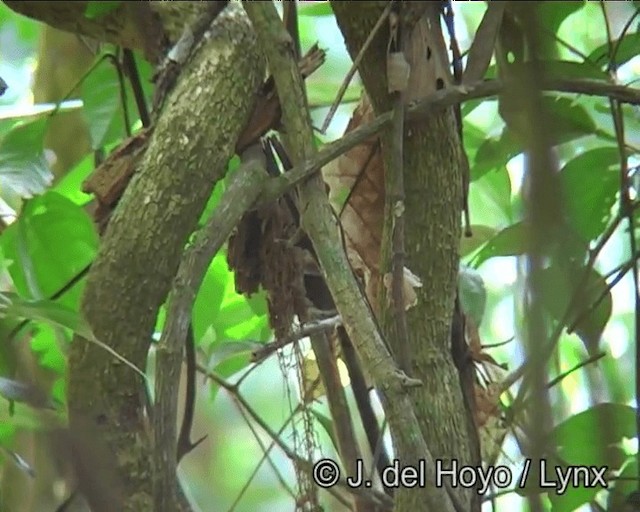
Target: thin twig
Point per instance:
(241, 193)
(394, 187)
(444, 98)
(354, 67)
(261, 353)
(374, 496)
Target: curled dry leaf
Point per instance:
(356, 191)
(109, 180)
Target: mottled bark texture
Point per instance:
(193, 140)
(432, 180)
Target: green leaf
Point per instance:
(70, 185)
(558, 286)
(24, 171)
(511, 241)
(627, 50)
(480, 234)
(568, 119)
(551, 15)
(327, 425)
(59, 237)
(590, 183)
(490, 198)
(210, 295)
(47, 311)
(473, 293)
(592, 437)
(59, 315)
(565, 69)
(494, 153)
(102, 102)
(96, 9)
(315, 9)
(231, 349)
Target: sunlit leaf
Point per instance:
(590, 184)
(511, 241)
(315, 9)
(24, 171)
(592, 437)
(101, 102)
(627, 50)
(57, 257)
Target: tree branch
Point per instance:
(319, 222)
(146, 236)
(238, 198)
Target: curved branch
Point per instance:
(192, 142)
(145, 26)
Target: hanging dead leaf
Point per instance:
(356, 191)
(397, 72)
(109, 180)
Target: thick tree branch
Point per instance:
(145, 238)
(320, 224)
(242, 192)
(144, 26)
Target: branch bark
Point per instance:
(433, 188)
(144, 26)
(320, 223)
(146, 236)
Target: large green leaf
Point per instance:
(511, 241)
(315, 9)
(494, 153)
(47, 311)
(490, 198)
(590, 183)
(558, 284)
(211, 295)
(568, 120)
(60, 238)
(590, 438)
(628, 48)
(102, 100)
(24, 171)
(593, 437)
(550, 15)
